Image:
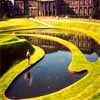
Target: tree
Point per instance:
(6, 9)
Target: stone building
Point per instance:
(56, 7)
(78, 7)
(81, 8)
(35, 7)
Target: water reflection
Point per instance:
(28, 78)
(86, 44)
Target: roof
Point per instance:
(36, 0)
(45, 0)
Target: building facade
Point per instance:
(35, 7)
(81, 8)
(78, 7)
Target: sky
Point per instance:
(12, 1)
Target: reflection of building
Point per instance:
(47, 45)
(83, 42)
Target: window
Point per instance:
(86, 2)
(90, 11)
(85, 11)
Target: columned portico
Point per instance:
(46, 8)
(85, 8)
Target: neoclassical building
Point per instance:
(81, 8)
(36, 7)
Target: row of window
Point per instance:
(51, 8)
(79, 2)
(84, 11)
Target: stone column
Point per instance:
(49, 9)
(55, 8)
(38, 8)
(41, 9)
(79, 7)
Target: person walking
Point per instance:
(28, 56)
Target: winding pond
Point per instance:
(47, 76)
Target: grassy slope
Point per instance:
(87, 87)
(19, 24)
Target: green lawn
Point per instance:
(88, 88)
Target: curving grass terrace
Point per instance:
(88, 88)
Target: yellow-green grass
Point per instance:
(88, 87)
(20, 24)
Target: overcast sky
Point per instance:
(12, 1)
